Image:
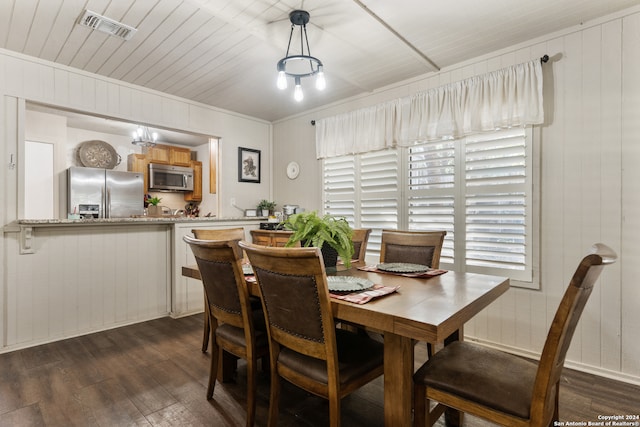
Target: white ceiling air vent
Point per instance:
(97, 22)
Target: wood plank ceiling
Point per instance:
(224, 52)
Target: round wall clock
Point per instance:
(293, 170)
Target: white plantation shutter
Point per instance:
(479, 189)
(365, 190)
(498, 200)
(431, 191)
(380, 195)
(340, 187)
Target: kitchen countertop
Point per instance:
(26, 228)
(116, 221)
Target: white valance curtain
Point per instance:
(505, 98)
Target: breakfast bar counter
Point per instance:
(65, 278)
(166, 219)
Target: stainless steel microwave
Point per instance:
(170, 178)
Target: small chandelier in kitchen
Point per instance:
(144, 138)
(303, 65)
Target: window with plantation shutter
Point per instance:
(379, 195)
(340, 187)
(479, 189)
(365, 190)
(497, 206)
(431, 170)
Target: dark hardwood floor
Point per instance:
(154, 373)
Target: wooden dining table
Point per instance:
(432, 309)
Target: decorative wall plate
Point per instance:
(348, 283)
(98, 154)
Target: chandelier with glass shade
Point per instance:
(143, 137)
(303, 65)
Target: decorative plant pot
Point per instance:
(153, 210)
(330, 257)
(264, 212)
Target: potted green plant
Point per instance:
(266, 207)
(153, 209)
(310, 229)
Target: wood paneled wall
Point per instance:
(85, 278)
(590, 187)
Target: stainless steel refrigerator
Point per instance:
(104, 193)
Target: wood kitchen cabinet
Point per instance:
(275, 238)
(157, 154)
(168, 155)
(196, 194)
(179, 156)
(139, 163)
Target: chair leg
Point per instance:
(213, 370)
(419, 405)
(556, 408)
(334, 410)
(229, 365)
(274, 399)
(207, 329)
(251, 390)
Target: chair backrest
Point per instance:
(563, 326)
(416, 247)
(277, 238)
(219, 234)
(223, 280)
(295, 298)
(360, 239)
(236, 234)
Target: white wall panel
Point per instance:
(82, 279)
(630, 246)
(61, 87)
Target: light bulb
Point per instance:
(282, 80)
(297, 93)
(320, 81)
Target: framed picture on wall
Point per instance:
(248, 165)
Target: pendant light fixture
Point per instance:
(144, 138)
(302, 65)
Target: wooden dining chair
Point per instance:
(236, 234)
(415, 247)
(500, 387)
(360, 239)
(236, 327)
(306, 349)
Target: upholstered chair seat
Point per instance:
(354, 356)
(490, 377)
